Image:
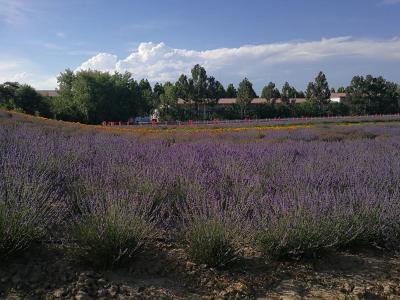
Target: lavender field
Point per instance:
(289, 193)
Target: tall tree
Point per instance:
(310, 92)
(318, 91)
(270, 92)
(245, 95)
(213, 93)
(168, 101)
(27, 99)
(184, 88)
(64, 105)
(215, 90)
(22, 97)
(287, 92)
(372, 95)
(147, 96)
(212, 90)
(158, 90)
(221, 93)
(94, 96)
(7, 90)
(231, 91)
(199, 78)
(300, 94)
(7, 94)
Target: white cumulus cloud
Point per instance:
(24, 71)
(297, 62)
(102, 62)
(159, 62)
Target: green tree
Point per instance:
(23, 98)
(94, 96)
(215, 90)
(169, 102)
(245, 95)
(184, 88)
(7, 94)
(270, 92)
(158, 90)
(371, 95)
(300, 94)
(147, 97)
(27, 99)
(221, 93)
(318, 91)
(231, 91)
(64, 105)
(287, 93)
(199, 78)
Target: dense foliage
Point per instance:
(372, 95)
(93, 97)
(289, 192)
(24, 98)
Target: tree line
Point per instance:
(93, 96)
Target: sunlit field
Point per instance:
(103, 195)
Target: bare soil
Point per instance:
(167, 273)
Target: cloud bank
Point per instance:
(297, 62)
(159, 62)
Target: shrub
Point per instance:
(302, 233)
(331, 137)
(292, 235)
(19, 228)
(28, 206)
(210, 242)
(106, 237)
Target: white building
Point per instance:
(337, 97)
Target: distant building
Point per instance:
(231, 101)
(48, 93)
(338, 97)
(335, 97)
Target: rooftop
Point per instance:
(48, 93)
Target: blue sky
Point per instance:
(269, 40)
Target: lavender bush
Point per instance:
(304, 233)
(290, 191)
(109, 228)
(211, 242)
(29, 203)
